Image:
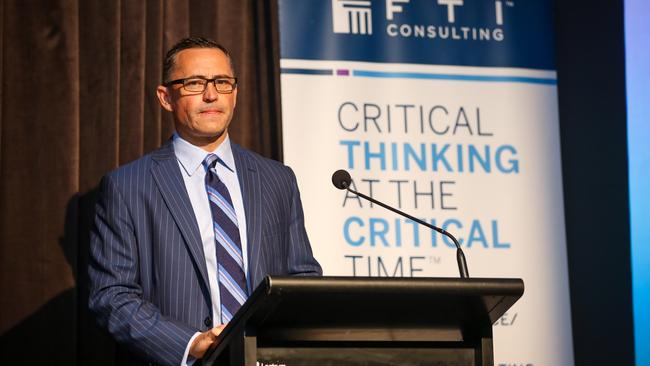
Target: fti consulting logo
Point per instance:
(352, 16)
(451, 20)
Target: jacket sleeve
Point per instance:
(116, 296)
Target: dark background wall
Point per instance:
(76, 89)
(77, 100)
(593, 125)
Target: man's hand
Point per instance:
(205, 341)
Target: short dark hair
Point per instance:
(187, 43)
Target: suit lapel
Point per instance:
(251, 189)
(167, 176)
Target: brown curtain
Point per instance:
(78, 80)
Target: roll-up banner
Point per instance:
(445, 109)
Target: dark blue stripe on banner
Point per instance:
(493, 33)
(306, 71)
(415, 75)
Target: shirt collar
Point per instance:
(191, 156)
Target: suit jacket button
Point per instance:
(207, 321)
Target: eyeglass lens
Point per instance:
(223, 85)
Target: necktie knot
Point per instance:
(210, 161)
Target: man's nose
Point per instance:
(210, 93)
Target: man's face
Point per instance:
(200, 118)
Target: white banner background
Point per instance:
(523, 204)
(368, 86)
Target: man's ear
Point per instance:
(164, 98)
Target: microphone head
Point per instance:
(341, 179)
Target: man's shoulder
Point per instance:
(264, 164)
(141, 166)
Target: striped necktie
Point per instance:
(230, 263)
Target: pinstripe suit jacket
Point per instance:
(148, 275)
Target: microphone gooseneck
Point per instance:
(342, 180)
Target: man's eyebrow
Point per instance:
(207, 78)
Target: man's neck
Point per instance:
(208, 144)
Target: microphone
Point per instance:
(342, 180)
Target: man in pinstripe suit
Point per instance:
(154, 282)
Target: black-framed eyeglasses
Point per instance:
(197, 84)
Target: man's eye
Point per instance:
(194, 82)
(223, 82)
